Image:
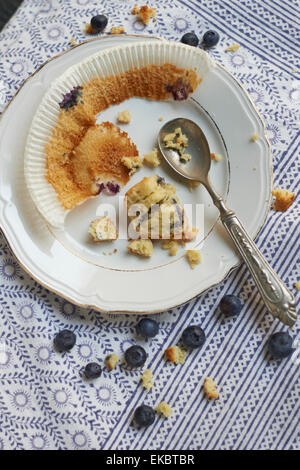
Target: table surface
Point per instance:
(44, 402)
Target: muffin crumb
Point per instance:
(135, 10)
(145, 13)
(117, 30)
(283, 199)
(73, 41)
(254, 137)
(170, 245)
(111, 361)
(164, 409)
(152, 159)
(124, 117)
(210, 388)
(147, 379)
(233, 47)
(175, 355)
(141, 248)
(178, 141)
(102, 229)
(194, 257)
(132, 163)
(297, 285)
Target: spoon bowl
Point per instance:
(198, 167)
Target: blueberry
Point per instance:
(92, 370)
(190, 39)
(210, 39)
(280, 344)
(147, 328)
(135, 356)
(230, 305)
(98, 23)
(65, 340)
(144, 415)
(193, 337)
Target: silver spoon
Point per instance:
(278, 299)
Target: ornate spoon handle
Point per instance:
(278, 299)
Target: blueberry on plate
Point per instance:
(147, 328)
(144, 415)
(191, 39)
(231, 305)
(210, 39)
(98, 23)
(65, 340)
(280, 345)
(92, 370)
(193, 337)
(135, 356)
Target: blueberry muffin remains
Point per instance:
(155, 211)
(81, 155)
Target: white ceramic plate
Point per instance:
(66, 262)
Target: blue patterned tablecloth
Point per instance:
(44, 403)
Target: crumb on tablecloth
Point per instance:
(145, 13)
(210, 388)
(164, 409)
(233, 47)
(283, 199)
(175, 354)
(147, 379)
(111, 361)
